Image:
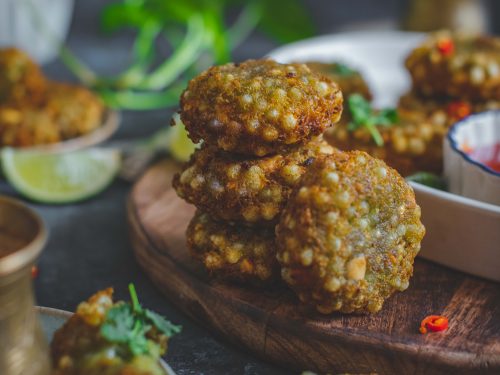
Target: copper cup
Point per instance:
(23, 349)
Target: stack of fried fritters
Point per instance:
(261, 124)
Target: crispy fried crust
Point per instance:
(470, 70)
(21, 80)
(65, 112)
(349, 80)
(259, 107)
(349, 234)
(233, 252)
(248, 190)
(416, 143)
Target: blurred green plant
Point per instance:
(198, 36)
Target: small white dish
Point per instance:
(461, 233)
(470, 143)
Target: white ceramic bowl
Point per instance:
(36, 26)
(465, 172)
(461, 233)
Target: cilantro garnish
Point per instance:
(343, 70)
(363, 115)
(428, 179)
(129, 323)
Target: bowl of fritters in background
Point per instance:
(44, 115)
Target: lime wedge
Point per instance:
(60, 178)
(180, 146)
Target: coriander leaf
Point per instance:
(387, 117)
(139, 343)
(363, 115)
(162, 324)
(119, 323)
(360, 109)
(428, 179)
(343, 70)
(377, 137)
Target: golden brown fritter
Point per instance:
(66, 111)
(21, 80)
(415, 144)
(233, 252)
(75, 109)
(251, 190)
(458, 66)
(349, 80)
(349, 234)
(259, 107)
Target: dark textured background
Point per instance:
(88, 247)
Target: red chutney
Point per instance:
(487, 155)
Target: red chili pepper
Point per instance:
(34, 272)
(459, 110)
(446, 47)
(435, 323)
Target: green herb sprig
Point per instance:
(128, 324)
(363, 115)
(428, 179)
(343, 70)
(196, 33)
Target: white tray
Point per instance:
(462, 233)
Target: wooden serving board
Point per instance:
(275, 326)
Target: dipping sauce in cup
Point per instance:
(488, 155)
(472, 157)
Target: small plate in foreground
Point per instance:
(51, 319)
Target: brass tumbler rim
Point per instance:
(27, 254)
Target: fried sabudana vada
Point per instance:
(259, 107)
(66, 111)
(245, 190)
(349, 234)
(21, 79)
(233, 252)
(456, 65)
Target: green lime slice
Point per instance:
(60, 178)
(180, 146)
